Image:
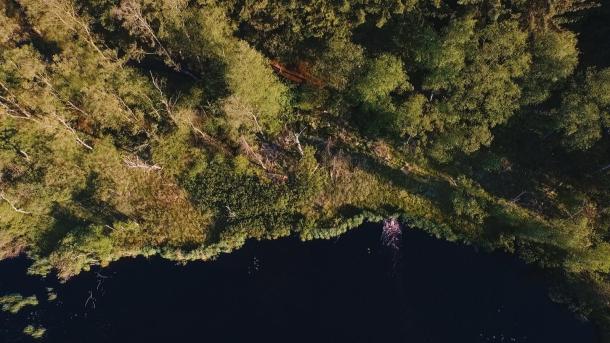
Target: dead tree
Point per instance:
(90, 299)
(297, 141)
(251, 153)
(12, 205)
(73, 132)
(11, 105)
(136, 162)
(515, 199)
(209, 139)
(168, 103)
(230, 212)
(24, 154)
(125, 107)
(130, 12)
(67, 102)
(66, 13)
(603, 169)
(258, 126)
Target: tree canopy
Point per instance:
(184, 128)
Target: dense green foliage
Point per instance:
(183, 128)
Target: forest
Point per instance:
(182, 128)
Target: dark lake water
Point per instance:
(343, 290)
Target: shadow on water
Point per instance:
(344, 290)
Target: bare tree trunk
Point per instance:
(258, 127)
(137, 163)
(131, 13)
(68, 10)
(24, 154)
(5, 101)
(126, 107)
(12, 205)
(515, 199)
(74, 133)
(90, 298)
(210, 140)
(602, 169)
(298, 141)
(65, 101)
(230, 212)
(167, 103)
(250, 152)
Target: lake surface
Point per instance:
(350, 289)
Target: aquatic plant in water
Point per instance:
(13, 303)
(34, 331)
